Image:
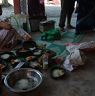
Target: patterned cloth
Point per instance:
(8, 39)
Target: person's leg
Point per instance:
(85, 17)
(69, 26)
(0, 10)
(69, 14)
(33, 8)
(62, 20)
(62, 16)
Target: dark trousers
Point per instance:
(36, 9)
(0, 10)
(86, 15)
(67, 8)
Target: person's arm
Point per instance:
(5, 25)
(26, 36)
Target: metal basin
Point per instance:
(23, 80)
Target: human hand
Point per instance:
(27, 37)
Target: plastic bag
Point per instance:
(76, 58)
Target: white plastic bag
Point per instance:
(73, 60)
